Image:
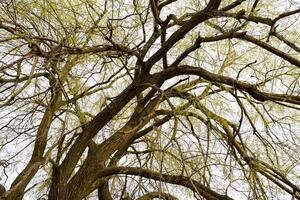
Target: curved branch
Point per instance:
(251, 89)
(173, 179)
(271, 49)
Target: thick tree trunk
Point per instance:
(58, 190)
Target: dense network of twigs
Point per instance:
(158, 99)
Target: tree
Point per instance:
(150, 99)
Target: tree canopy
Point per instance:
(158, 99)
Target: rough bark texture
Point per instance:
(163, 100)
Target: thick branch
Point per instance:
(271, 49)
(173, 179)
(198, 18)
(89, 131)
(240, 85)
